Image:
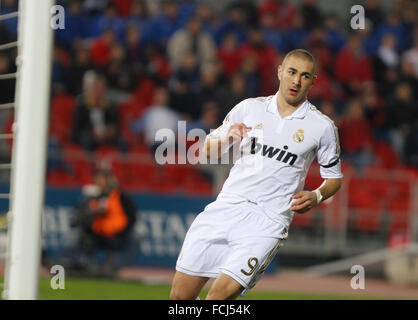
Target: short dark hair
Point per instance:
(301, 53)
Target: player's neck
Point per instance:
(285, 109)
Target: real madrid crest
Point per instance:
(298, 136)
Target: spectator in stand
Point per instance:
(323, 88)
(356, 136)
(138, 12)
(94, 7)
(249, 71)
(144, 58)
(60, 64)
(100, 51)
(407, 75)
(111, 20)
(411, 56)
(207, 17)
(248, 9)
(266, 57)
(158, 68)
(9, 6)
(210, 85)
(191, 39)
(5, 35)
(373, 111)
(234, 22)
(184, 86)
(7, 86)
(389, 80)
(401, 112)
(391, 25)
(136, 50)
(366, 36)
(271, 33)
(233, 94)
(353, 68)
(374, 13)
(118, 72)
(95, 118)
(319, 46)
(75, 25)
(296, 34)
(139, 19)
(284, 12)
(410, 151)
(386, 56)
(229, 54)
(408, 13)
(312, 17)
(208, 119)
(80, 64)
(334, 34)
(167, 23)
(159, 116)
(123, 7)
(328, 109)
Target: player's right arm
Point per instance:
(214, 147)
(232, 131)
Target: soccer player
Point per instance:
(236, 236)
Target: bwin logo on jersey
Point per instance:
(268, 151)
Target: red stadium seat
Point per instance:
(133, 185)
(367, 220)
(79, 163)
(7, 129)
(366, 206)
(199, 187)
(386, 156)
(119, 170)
(144, 172)
(60, 178)
(105, 155)
(399, 221)
(163, 186)
(62, 110)
(303, 220)
(144, 93)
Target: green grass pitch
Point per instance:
(109, 289)
(104, 289)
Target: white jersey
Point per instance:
(277, 154)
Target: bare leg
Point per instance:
(224, 288)
(186, 287)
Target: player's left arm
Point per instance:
(305, 200)
(328, 154)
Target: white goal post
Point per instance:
(27, 185)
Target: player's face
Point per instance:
(296, 78)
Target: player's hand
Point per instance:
(237, 132)
(305, 200)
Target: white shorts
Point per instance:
(235, 239)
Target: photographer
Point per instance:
(105, 219)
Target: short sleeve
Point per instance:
(328, 153)
(236, 115)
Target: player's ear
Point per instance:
(314, 79)
(279, 71)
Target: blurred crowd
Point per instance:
(166, 61)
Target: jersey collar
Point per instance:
(298, 114)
